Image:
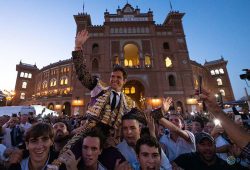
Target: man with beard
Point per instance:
(61, 137)
(204, 158)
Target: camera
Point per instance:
(245, 76)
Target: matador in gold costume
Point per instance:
(107, 104)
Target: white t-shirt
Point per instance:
(220, 141)
(25, 126)
(2, 150)
(7, 138)
(181, 146)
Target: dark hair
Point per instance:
(199, 120)
(39, 129)
(147, 140)
(130, 116)
(96, 132)
(135, 114)
(64, 122)
(177, 115)
(121, 69)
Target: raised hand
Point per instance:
(150, 123)
(68, 158)
(166, 103)
(81, 38)
(210, 101)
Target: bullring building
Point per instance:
(155, 56)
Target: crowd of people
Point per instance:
(114, 134)
(169, 143)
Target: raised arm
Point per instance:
(238, 135)
(172, 127)
(80, 62)
(158, 114)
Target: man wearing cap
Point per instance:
(204, 158)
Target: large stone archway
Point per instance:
(136, 91)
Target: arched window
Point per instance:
(196, 83)
(212, 72)
(219, 81)
(22, 96)
(117, 62)
(53, 82)
(221, 71)
(171, 80)
(126, 90)
(22, 74)
(64, 80)
(168, 62)
(38, 86)
(30, 75)
(125, 62)
(217, 71)
(132, 90)
(45, 84)
(222, 92)
(95, 65)
(24, 85)
(95, 48)
(26, 75)
(147, 61)
(165, 46)
(131, 56)
(130, 63)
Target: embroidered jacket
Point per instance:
(99, 109)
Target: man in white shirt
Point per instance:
(24, 123)
(178, 141)
(131, 130)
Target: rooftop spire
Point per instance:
(83, 6)
(171, 8)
